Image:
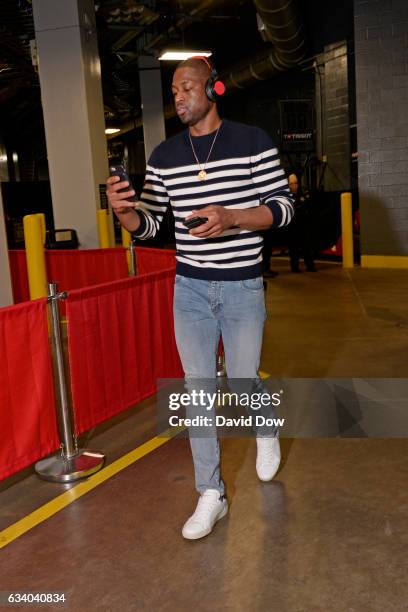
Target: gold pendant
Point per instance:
(202, 174)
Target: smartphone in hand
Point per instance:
(195, 222)
(120, 171)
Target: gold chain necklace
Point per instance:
(202, 174)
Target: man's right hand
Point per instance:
(119, 201)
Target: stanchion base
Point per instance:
(221, 371)
(59, 469)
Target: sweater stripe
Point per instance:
(244, 173)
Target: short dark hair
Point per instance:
(198, 64)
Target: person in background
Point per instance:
(300, 238)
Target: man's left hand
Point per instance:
(219, 220)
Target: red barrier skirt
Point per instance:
(71, 269)
(19, 277)
(121, 340)
(152, 260)
(82, 268)
(27, 405)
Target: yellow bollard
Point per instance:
(126, 238)
(37, 272)
(347, 230)
(103, 228)
(41, 217)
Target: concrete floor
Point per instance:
(328, 534)
(337, 323)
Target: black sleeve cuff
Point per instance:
(142, 227)
(276, 210)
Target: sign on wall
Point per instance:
(297, 125)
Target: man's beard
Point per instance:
(184, 120)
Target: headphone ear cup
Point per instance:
(219, 88)
(209, 90)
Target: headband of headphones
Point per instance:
(213, 87)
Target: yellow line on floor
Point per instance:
(61, 501)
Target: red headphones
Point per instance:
(213, 87)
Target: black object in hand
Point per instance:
(195, 222)
(120, 171)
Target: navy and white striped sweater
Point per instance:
(244, 171)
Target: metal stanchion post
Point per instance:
(71, 463)
(126, 239)
(129, 245)
(132, 258)
(220, 364)
(221, 371)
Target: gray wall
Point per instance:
(332, 116)
(381, 47)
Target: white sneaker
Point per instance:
(210, 509)
(268, 458)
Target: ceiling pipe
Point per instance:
(283, 28)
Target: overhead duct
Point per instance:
(282, 26)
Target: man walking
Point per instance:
(230, 175)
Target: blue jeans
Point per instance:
(204, 310)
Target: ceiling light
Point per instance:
(182, 55)
(112, 130)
